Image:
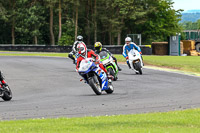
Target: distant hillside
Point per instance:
(190, 16)
(192, 11)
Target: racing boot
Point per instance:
(119, 68)
(128, 64)
(109, 76)
(71, 57)
(116, 63)
(1, 91)
(142, 60)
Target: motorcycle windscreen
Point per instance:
(85, 65)
(134, 55)
(103, 55)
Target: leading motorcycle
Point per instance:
(95, 77)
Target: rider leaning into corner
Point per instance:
(98, 49)
(87, 53)
(127, 47)
(74, 48)
(2, 80)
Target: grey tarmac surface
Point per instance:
(45, 87)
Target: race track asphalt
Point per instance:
(49, 87)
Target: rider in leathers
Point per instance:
(3, 82)
(98, 49)
(87, 53)
(74, 48)
(127, 47)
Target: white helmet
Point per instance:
(79, 38)
(81, 48)
(128, 39)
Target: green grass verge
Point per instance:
(15, 53)
(178, 121)
(184, 63)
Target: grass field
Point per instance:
(187, 121)
(186, 63)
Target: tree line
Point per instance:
(189, 25)
(58, 22)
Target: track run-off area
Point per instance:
(49, 87)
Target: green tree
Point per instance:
(32, 14)
(161, 21)
(60, 21)
(7, 11)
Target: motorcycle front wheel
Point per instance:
(111, 72)
(110, 88)
(95, 85)
(138, 67)
(7, 96)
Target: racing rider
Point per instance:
(87, 53)
(98, 48)
(3, 82)
(127, 47)
(74, 48)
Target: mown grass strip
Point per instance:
(8, 53)
(185, 63)
(173, 122)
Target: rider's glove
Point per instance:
(97, 62)
(140, 52)
(127, 57)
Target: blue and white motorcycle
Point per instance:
(95, 77)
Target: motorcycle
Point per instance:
(109, 63)
(95, 77)
(5, 91)
(135, 61)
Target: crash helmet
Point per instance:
(81, 48)
(98, 46)
(128, 39)
(79, 38)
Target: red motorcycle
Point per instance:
(5, 91)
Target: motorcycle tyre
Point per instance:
(111, 72)
(110, 90)
(94, 87)
(7, 94)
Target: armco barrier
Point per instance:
(46, 48)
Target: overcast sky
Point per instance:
(186, 4)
